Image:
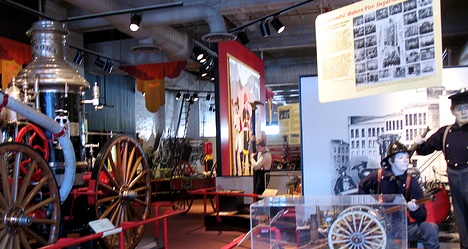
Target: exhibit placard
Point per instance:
(374, 47)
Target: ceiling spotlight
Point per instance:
(264, 28)
(135, 20)
(208, 96)
(203, 72)
(195, 97)
(100, 62)
(108, 66)
(208, 64)
(242, 37)
(198, 53)
(186, 96)
(203, 59)
(277, 24)
(78, 57)
(177, 97)
(212, 76)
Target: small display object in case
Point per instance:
(341, 221)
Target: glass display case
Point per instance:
(341, 221)
(286, 182)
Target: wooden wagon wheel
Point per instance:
(181, 184)
(357, 229)
(29, 206)
(123, 187)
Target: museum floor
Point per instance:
(188, 231)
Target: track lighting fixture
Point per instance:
(204, 58)
(212, 108)
(203, 72)
(276, 23)
(186, 97)
(100, 62)
(78, 57)
(109, 66)
(195, 97)
(264, 28)
(206, 67)
(135, 20)
(198, 53)
(177, 97)
(208, 97)
(212, 76)
(106, 65)
(208, 64)
(242, 37)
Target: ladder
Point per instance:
(183, 119)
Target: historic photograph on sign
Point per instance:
(244, 93)
(355, 156)
(370, 48)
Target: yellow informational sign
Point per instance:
(374, 47)
(289, 122)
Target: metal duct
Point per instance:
(177, 45)
(208, 14)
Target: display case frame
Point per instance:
(370, 221)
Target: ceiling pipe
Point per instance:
(177, 45)
(185, 14)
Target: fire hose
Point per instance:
(59, 133)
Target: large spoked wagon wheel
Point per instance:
(181, 184)
(29, 201)
(357, 229)
(123, 187)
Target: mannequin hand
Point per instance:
(419, 140)
(412, 206)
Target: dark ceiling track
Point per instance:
(27, 10)
(124, 11)
(268, 16)
(97, 54)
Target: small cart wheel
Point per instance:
(181, 184)
(357, 229)
(29, 199)
(123, 187)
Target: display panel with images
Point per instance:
(244, 94)
(345, 140)
(374, 47)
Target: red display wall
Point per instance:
(245, 56)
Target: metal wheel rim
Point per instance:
(123, 187)
(212, 175)
(357, 229)
(356, 208)
(30, 201)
